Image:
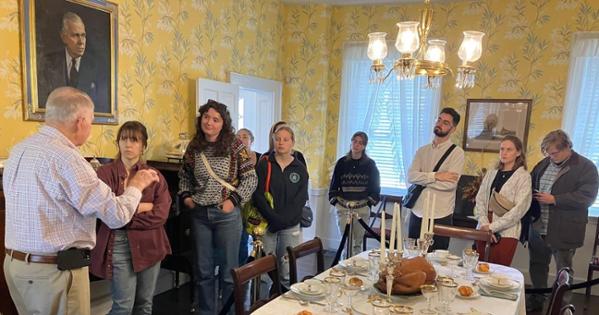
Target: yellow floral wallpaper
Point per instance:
(165, 44)
(526, 53)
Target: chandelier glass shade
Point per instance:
(422, 56)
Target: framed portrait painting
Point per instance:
(488, 121)
(69, 43)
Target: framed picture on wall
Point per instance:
(488, 121)
(69, 43)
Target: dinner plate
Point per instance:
(308, 288)
(474, 295)
(505, 285)
(355, 264)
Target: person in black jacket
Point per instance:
(356, 180)
(271, 143)
(288, 185)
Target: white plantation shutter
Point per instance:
(397, 115)
(581, 110)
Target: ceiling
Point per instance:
(353, 2)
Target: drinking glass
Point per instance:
(341, 275)
(469, 260)
(373, 265)
(380, 307)
(350, 290)
(447, 292)
(429, 291)
(410, 247)
(332, 287)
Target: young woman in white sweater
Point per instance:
(512, 181)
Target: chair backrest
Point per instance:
(560, 286)
(243, 274)
(596, 241)
(382, 206)
(567, 310)
(464, 233)
(307, 248)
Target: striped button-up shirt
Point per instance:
(53, 196)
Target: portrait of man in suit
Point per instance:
(73, 65)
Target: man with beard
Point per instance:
(440, 184)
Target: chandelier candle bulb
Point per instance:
(435, 51)
(408, 40)
(377, 46)
(471, 48)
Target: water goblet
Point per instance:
(332, 289)
(351, 288)
(447, 292)
(469, 260)
(429, 291)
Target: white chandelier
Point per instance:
(423, 56)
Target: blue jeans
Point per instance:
(132, 292)
(216, 237)
(276, 244)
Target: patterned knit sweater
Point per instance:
(236, 169)
(357, 180)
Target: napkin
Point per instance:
(497, 294)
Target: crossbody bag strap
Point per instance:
(213, 175)
(268, 172)
(447, 153)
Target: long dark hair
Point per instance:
(364, 137)
(521, 160)
(225, 137)
(133, 130)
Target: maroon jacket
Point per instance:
(147, 238)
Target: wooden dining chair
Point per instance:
(249, 271)
(560, 286)
(307, 248)
(374, 215)
(594, 263)
(466, 234)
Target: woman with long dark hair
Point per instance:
(130, 256)
(216, 178)
(508, 184)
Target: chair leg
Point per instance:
(589, 278)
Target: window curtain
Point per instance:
(581, 108)
(398, 116)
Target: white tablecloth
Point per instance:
(484, 304)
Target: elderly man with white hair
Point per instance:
(53, 197)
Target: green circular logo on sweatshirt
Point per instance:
(294, 177)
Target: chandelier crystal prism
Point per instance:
(422, 56)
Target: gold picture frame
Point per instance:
(488, 121)
(46, 52)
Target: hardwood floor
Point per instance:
(178, 301)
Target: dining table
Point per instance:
(361, 302)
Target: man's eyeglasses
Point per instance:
(553, 153)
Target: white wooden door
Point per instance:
(226, 93)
